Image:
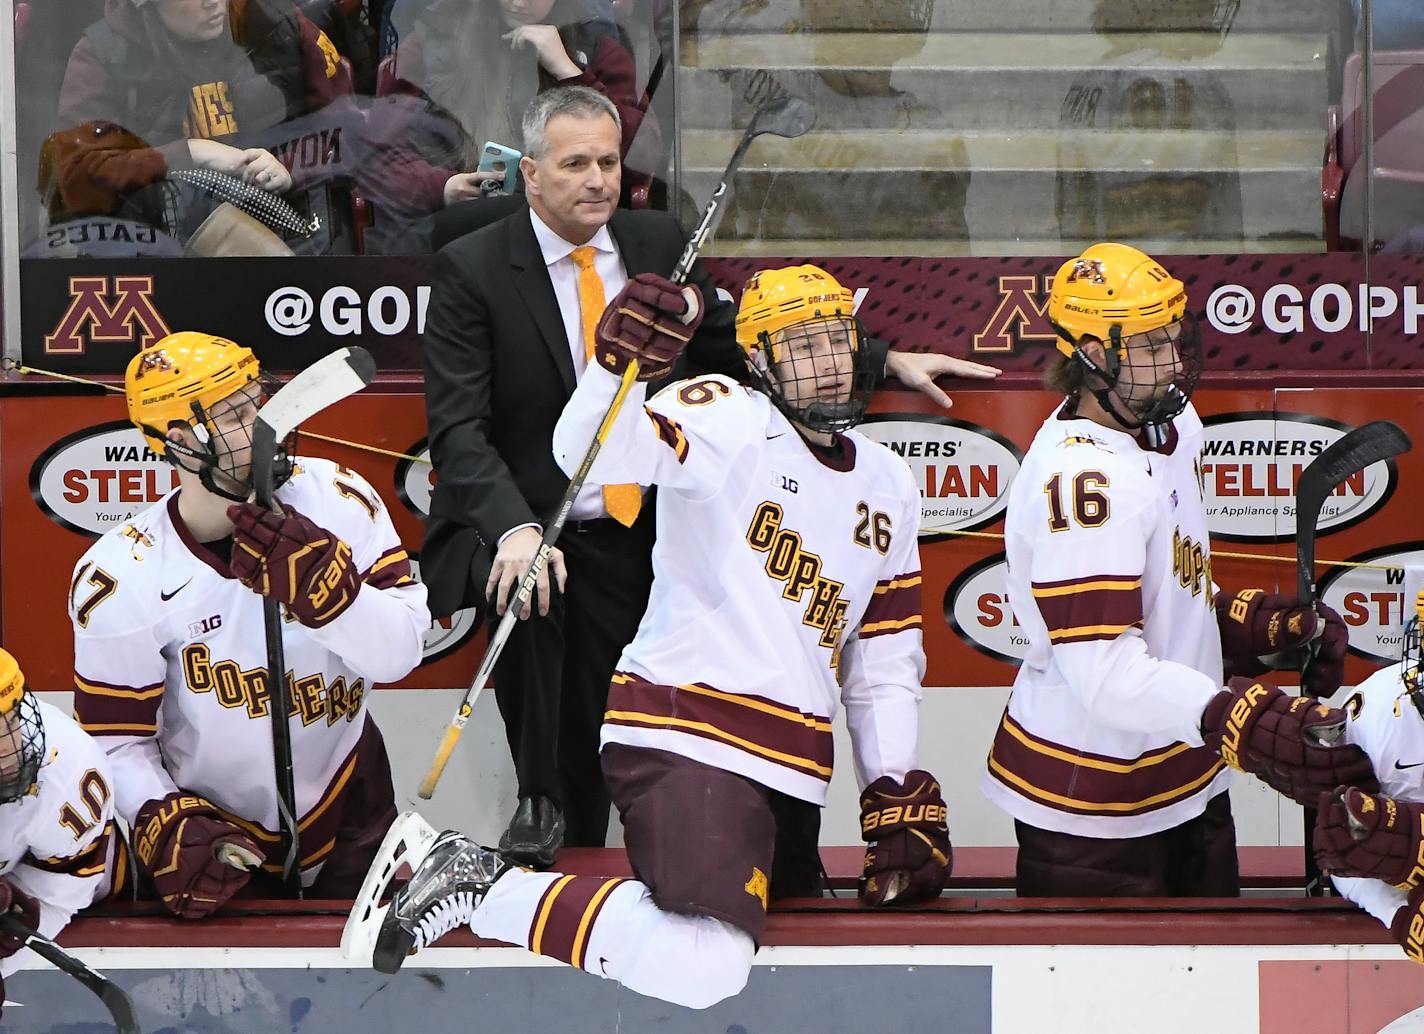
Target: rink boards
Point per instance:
(988, 966)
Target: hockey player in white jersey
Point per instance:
(1112, 753)
(170, 660)
(787, 580)
(56, 816)
(1372, 844)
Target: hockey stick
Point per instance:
(110, 993)
(322, 384)
(785, 117)
(1367, 444)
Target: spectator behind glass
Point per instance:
(196, 81)
(464, 75)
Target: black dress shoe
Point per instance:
(535, 833)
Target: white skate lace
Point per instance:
(444, 916)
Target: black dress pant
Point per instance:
(551, 680)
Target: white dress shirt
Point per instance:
(563, 274)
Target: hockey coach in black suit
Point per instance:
(509, 326)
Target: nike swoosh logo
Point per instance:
(771, 437)
(166, 596)
(1403, 767)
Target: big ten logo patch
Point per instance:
(963, 470)
(1021, 314)
(1376, 599)
(115, 310)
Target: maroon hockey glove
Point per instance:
(1326, 670)
(26, 909)
(1408, 925)
(196, 858)
(645, 322)
(1288, 742)
(1260, 630)
(289, 558)
(909, 857)
(1361, 834)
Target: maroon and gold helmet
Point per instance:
(22, 739)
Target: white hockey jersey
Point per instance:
(170, 662)
(1109, 575)
(56, 843)
(1386, 725)
(782, 582)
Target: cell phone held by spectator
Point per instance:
(498, 158)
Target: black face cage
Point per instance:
(815, 355)
(22, 748)
(1153, 417)
(223, 459)
(1410, 654)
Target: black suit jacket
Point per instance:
(497, 375)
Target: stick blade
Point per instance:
(324, 383)
(1369, 443)
(786, 116)
(1366, 444)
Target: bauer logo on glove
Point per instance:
(908, 857)
(287, 557)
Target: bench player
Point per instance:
(1112, 754)
(56, 816)
(787, 578)
(1373, 844)
(170, 661)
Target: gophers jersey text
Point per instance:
(171, 661)
(784, 581)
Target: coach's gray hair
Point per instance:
(578, 101)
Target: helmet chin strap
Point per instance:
(1155, 423)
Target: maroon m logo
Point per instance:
(130, 317)
(1019, 315)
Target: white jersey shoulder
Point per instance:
(1385, 724)
(74, 800)
(712, 399)
(1073, 447)
(115, 584)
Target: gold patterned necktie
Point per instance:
(621, 501)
